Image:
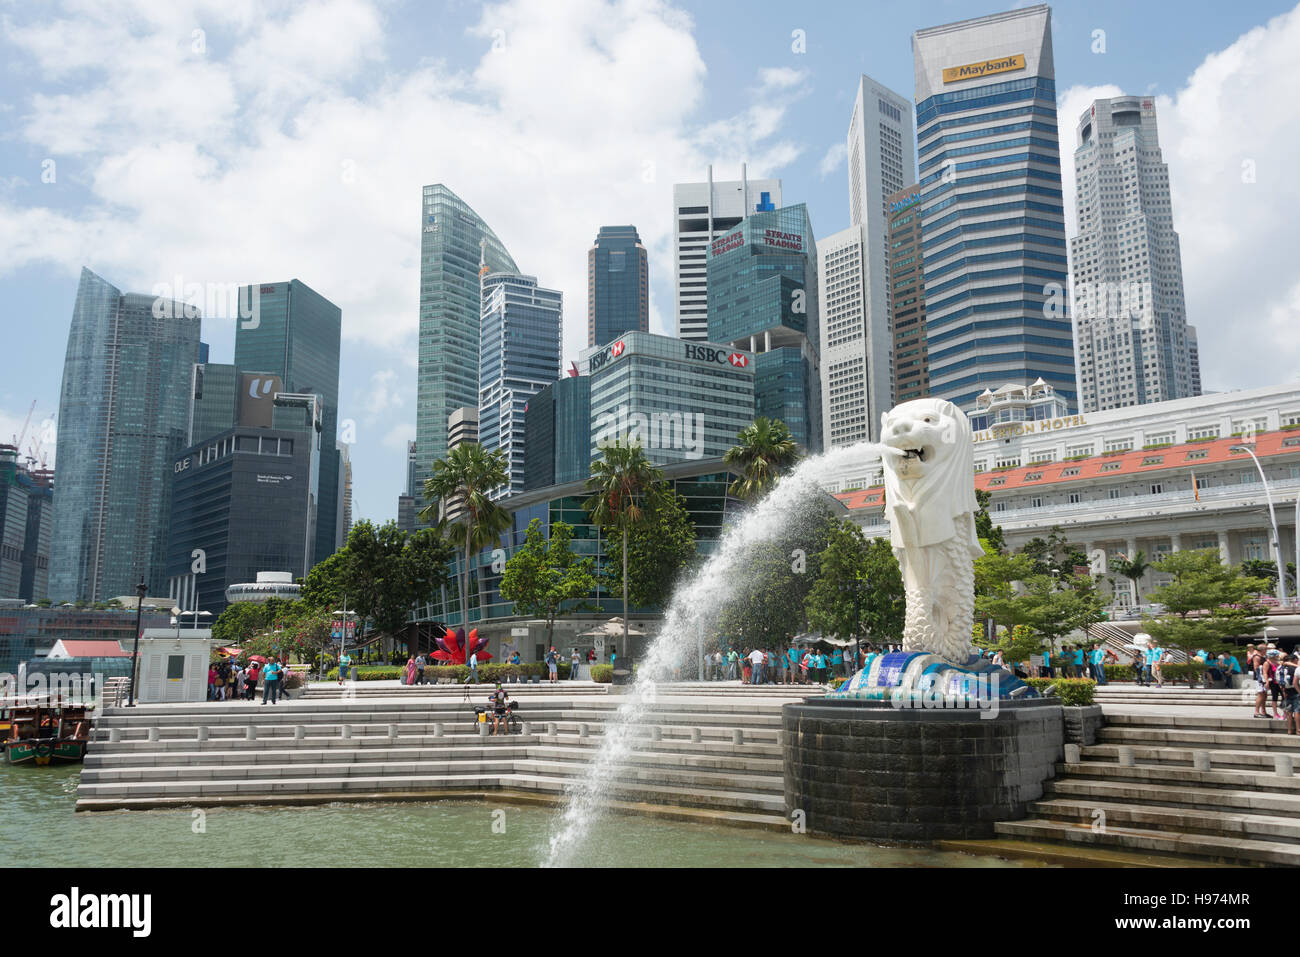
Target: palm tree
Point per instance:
(620, 480)
(464, 480)
(762, 452)
(1133, 569)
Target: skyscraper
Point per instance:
(26, 506)
(618, 285)
(297, 338)
(993, 223)
(1131, 332)
(519, 356)
(558, 439)
(763, 299)
(880, 162)
(701, 213)
(123, 414)
(851, 408)
(453, 237)
(907, 302)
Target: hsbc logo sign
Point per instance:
(737, 360)
(601, 359)
(616, 349)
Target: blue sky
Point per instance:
(220, 142)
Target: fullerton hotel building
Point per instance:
(1153, 478)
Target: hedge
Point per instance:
(1190, 671)
(487, 673)
(602, 673)
(1071, 691)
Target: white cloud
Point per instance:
(1235, 113)
(289, 148)
(833, 159)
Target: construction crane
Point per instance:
(18, 439)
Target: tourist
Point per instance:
(757, 660)
(1155, 654)
(1138, 664)
(575, 665)
(850, 665)
(733, 663)
(1288, 675)
(419, 669)
(234, 679)
(591, 656)
(552, 666)
(770, 665)
(997, 658)
(1078, 661)
(271, 680)
(1097, 663)
(1272, 672)
(717, 665)
(410, 671)
(1257, 663)
(747, 668)
(250, 680)
(613, 655)
(473, 668)
(345, 665)
(499, 700)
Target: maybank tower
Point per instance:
(993, 218)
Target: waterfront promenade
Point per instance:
(1167, 776)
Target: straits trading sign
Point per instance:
(973, 71)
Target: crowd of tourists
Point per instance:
(792, 665)
(231, 679)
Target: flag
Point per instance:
(1196, 492)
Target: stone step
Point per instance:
(370, 749)
(1158, 795)
(1201, 738)
(1197, 722)
(397, 761)
(1184, 777)
(1221, 756)
(740, 803)
(1243, 825)
(1209, 846)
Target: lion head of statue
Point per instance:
(929, 462)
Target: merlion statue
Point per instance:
(929, 461)
(928, 454)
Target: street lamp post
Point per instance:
(140, 591)
(1272, 517)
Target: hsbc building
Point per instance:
(681, 400)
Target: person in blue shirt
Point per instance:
(271, 680)
(792, 671)
(1097, 663)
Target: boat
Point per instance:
(44, 732)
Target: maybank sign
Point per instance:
(973, 71)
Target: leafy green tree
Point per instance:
(1206, 602)
(1261, 568)
(465, 480)
(984, 527)
(1018, 643)
(659, 548)
(239, 622)
(859, 588)
(545, 573)
(763, 451)
(1054, 555)
(620, 481)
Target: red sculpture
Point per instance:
(455, 650)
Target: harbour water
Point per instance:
(38, 828)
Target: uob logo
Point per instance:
(262, 385)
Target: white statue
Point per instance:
(929, 460)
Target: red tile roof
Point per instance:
(1171, 458)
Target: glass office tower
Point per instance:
(297, 338)
(519, 356)
(557, 441)
(453, 237)
(123, 413)
(763, 298)
(993, 224)
(618, 285)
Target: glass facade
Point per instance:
(680, 400)
(763, 296)
(123, 416)
(25, 632)
(519, 355)
(907, 301)
(215, 407)
(558, 434)
(450, 310)
(993, 222)
(707, 504)
(297, 338)
(618, 285)
(247, 498)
